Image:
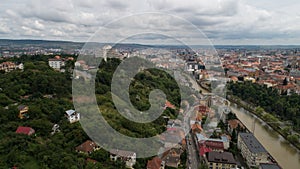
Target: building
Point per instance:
(25, 130)
(171, 158)
(10, 66)
(269, 166)
(234, 125)
(56, 62)
(214, 145)
(87, 147)
(252, 150)
(72, 116)
(128, 157)
(155, 163)
(218, 160)
(196, 128)
(23, 111)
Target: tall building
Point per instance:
(252, 150)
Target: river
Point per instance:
(284, 153)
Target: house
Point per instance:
(128, 157)
(155, 163)
(25, 130)
(171, 157)
(234, 125)
(224, 160)
(7, 66)
(252, 150)
(23, 111)
(87, 147)
(269, 166)
(72, 116)
(56, 62)
(203, 109)
(214, 145)
(196, 128)
(226, 141)
(169, 105)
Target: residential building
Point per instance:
(23, 111)
(214, 145)
(226, 141)
(269, 166)
(252, 150)
(56, 62)
(128, 157)
(234, 125)
(8, 66)
(171, 157)
(25, 130)
(72, 116)
(155, 163)
(218, 160)
(87, 147)
(196, 128)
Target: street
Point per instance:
(193, 159)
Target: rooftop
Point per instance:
(155, 163)
(269, 166)
(221, 157)
(25, 130)
(252, 143)
(87, 146)
(122, 153)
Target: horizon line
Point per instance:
(73, 41)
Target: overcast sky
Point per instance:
(222, 21)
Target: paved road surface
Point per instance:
(193, 159)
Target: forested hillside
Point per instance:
(283, 106)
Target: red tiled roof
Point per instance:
(204, 150)
(87, 147)
(234, 124)
(155, 163)
(196, 126)
(214, 144)
(169, 105)
(25, 130)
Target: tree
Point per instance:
(286, 130)
(294, 138)
(285, 81)
(234, 136)
(203, 166)
(259, 110)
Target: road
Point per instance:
(193, 158)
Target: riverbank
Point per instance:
(251, 109)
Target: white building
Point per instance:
(56, 63)
(72, 116)
(252, 150)
(127, 156)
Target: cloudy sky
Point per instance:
(222, 21)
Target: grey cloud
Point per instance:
(221, 20)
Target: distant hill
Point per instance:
(79, 45)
